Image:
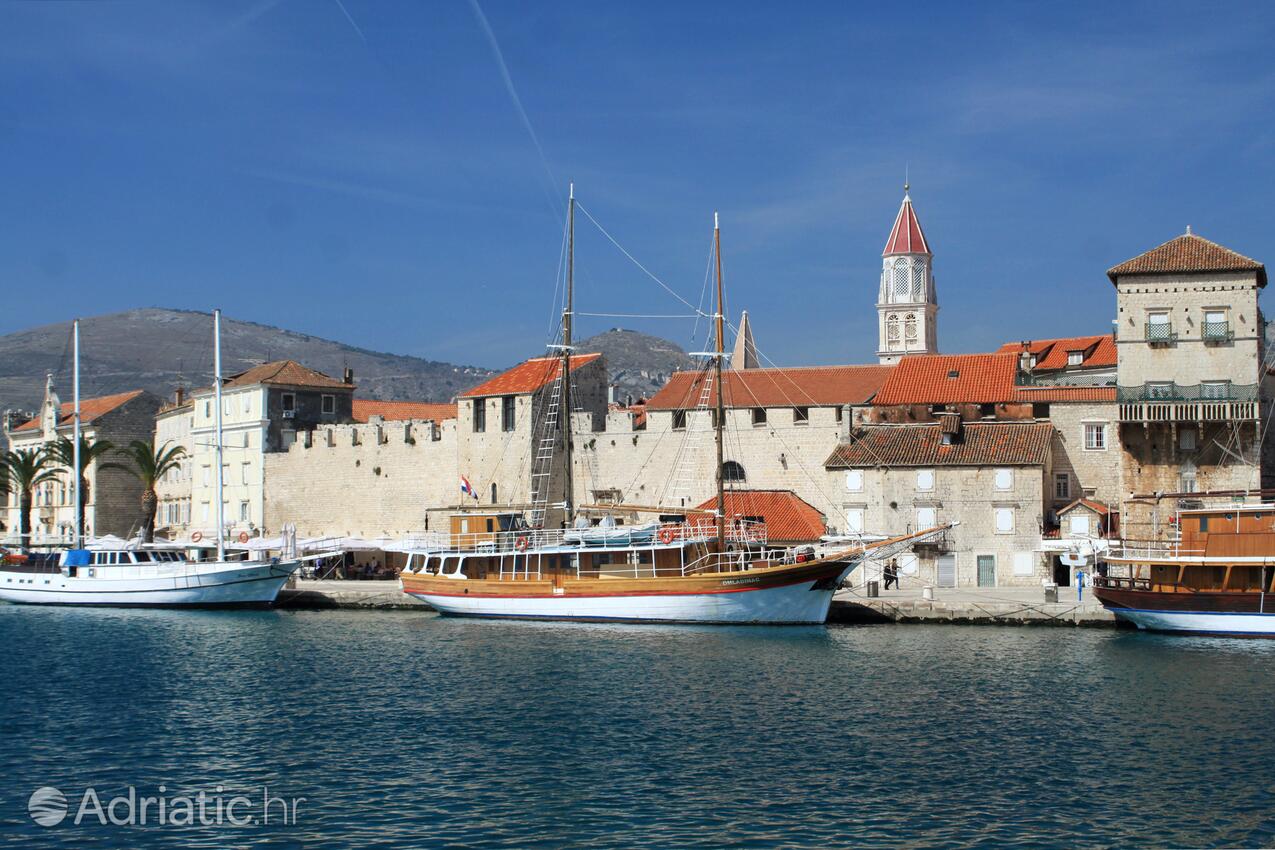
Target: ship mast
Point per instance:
(719, 419)
(221, 508)
(75, 436)
(565, 417)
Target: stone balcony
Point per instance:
(1219, 401)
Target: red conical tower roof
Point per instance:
(906, 236)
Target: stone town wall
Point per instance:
(892, 501)
(362, 480)
(660, 465)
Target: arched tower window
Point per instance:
(901, 278)
(909, 329)
(918, 280)
(892, 330)
(733, 472)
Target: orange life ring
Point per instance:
(243, 537)
(521, 543)
(196, 537)
(666, 535)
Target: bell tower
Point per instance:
(907, 305)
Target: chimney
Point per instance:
(1025, 358)
(179, 396)
(348, 378)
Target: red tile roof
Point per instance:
(1099, 351)
(90, 409)
(1097, 507)
(950, 379)
(288, 373)
(807, 386)
(1188, 254)
(365, 408)
(1046, 394)
(788, 518)
(906, 236)
(527, 377)
(980, 444)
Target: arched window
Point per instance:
(918, 281)
(909, 327)
(892, 330)
(733, 472)
(493, 492)
(901, 277)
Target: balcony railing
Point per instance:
(1215, 333)
(1172, 402)
(1161, 333)
(1168, 391)
(1066, 379)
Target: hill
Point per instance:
(159, 350)
(639, 363)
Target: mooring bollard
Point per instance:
(927, 593)
(874, 589)
(1051, 593)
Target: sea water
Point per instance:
(351, 729)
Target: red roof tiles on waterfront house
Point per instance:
(807, 386)
(788, 517)
(90, 409)
(1189, 254)
(1051, 354)
(950, 379)
(980, 444)
(287, 373)
(527, 377)
(1063, 394)
(392, 411)
(906, 236)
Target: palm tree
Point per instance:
(26, 469)
(149, 465)
(63, 454)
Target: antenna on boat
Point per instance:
(221, 508)
(568, 511)
(75, 435)
(719, 419)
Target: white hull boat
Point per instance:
(169, 584)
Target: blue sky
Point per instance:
(359, 170)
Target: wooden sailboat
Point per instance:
(1215, 578)
(694, 570)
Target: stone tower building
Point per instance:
(907, 304)
(1192, 376)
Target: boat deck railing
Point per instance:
(1151, 549)
(699, 530)
(739, 561)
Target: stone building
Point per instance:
(990, 477)
(114, 496)
(1194, 387)
(511, 434)
(173, 425)
(263, 411)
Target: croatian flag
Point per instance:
(465, 487)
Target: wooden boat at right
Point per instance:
(1215, 578)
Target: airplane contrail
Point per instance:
(513, 96)
(350, 18)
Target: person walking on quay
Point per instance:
(892, 574)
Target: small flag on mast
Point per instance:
(466, 488)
